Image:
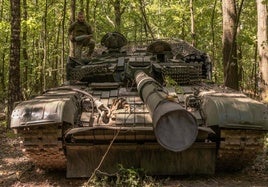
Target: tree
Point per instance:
(229, 50)
(63, 39)
(192, 22)
(14, 88)
(118, 11)
(147, 26)
(263, 48)
(24, 49)
(72, 7)
(5, 25)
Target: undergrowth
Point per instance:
(131, 177)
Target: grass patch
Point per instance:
(132, 177)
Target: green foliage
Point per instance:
(129, 177)
(132, 177)
(10, 134)
(172, 83)
(3, 124)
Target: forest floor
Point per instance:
(16, 170)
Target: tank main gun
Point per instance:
(175, 128)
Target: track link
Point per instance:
(239, 148)
(43, 145)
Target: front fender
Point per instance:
(50, 108)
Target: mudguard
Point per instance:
(234, 111)
(51, 108)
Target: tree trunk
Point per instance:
(1, 9)
(263, 48)
(14, 89)
(73, 7)
(192, 23)
(118, 13)
(62, 66)
(144, 16)
(3, 72)
(45, 49)
(95, 20)
(24, 51)
(230, 65)
(87, 10)
(212, 24)
(73, 4)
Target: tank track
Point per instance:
(238, 148)
(43, 145)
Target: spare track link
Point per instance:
(239, 148)
(43, 145)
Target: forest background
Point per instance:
(35, 45)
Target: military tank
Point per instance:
(150, 106)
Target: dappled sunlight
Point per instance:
(14, 161)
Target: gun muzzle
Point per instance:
(175, 128)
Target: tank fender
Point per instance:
(50, 111)
(234, 110)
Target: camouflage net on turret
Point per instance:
(189, 54)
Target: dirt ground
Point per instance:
(16, 170)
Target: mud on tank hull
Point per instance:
(126, 114)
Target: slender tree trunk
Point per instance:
(87, 10)
(144, 16)
(3, 72)
(73, 7)
(95, 19)
(118, 11)
(254, 70)
(192, 23)
(3, 55)
(24, 51)
(263, 48)
(14, 89)
(1, 9)
(44, 38)
(229, 44)
(62, 65)
(183, 34)
(56, 73)
(213, 37)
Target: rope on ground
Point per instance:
(102, 159)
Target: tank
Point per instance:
(148, 105)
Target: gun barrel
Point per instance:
(175, 128)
